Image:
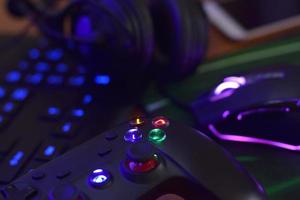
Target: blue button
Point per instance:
(66, 128)
(34, 54)
(55, 80)
(87, 99)
(23, 65)
(76, 80)
(13, 76)
(15, 160)
(55, 54)
(102, 80)
(78, 113)
(99, 178)
(20, 94)
(34, 79)
(2, 92)
(62, 68)
(133, 135)
(42, 67)
(8, 107)
(49, 151)
(54, 111)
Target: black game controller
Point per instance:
(144, 160)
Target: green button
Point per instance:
(157, 136)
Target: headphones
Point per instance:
(165, 39)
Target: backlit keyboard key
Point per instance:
(54, 54)
(9, 107)
(42, 67)
(34, 53)
(48, 151)
(13, 76)
(55, 80)
(14, 162)
(34, 79)
(77, 113)
(66, 129)
(53, 113)
(76, 80)
(20, 94)
(2, 92)
(62, 68)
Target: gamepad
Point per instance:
(143, 159)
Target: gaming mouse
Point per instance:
(259, 107)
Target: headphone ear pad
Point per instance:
(181, 31)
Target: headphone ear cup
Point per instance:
(180, 28)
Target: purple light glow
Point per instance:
(226, 114)
(261, 110)
(237, 138)
(228, 83)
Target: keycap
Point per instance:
(76, 80)
(87, 99)
(20, 94)
(54, 54)
(10, 108)
(13, 76)
(34, 79)
(42, 67)
(66, 129)
(55, 80)
(2, 92)
(48, 151)
(102, 80)
(77, 113)
(15, 160)
(18, 191)
(52, 113)
(62, 68)
(34, 53)
(31, 165)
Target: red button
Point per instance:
(160, 122)
(142, 167)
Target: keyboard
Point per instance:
(48, 105)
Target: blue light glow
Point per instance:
(2, 92)
(77, 80)
(16, 158)
(8, 107)
(87, 99)
(66, 127)
(42, 67)
(78, 113)
(133, 135)
(102, 79)
(49, 151)
(55, 80)
(99, 178)
(34, 79)
(34, 54)
(62, 68)
(53, 111)
(20, 94)
(13, 76)
(84, 27)
(55, 54)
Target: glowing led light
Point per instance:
(102, 80)
(137, 121)
(226, 86)
(20, 94)
(160, 122)
(133, 135)
(34, 54)
(16, 158)
(238, 138)
(49, 151)
(99, 178)
(78, 113)
(87, 99)
(157, 136)
(13, 76)
(239, 80)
